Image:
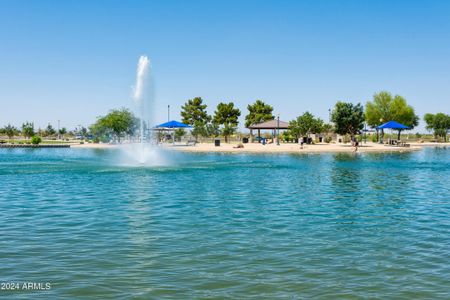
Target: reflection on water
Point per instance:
(226, 226)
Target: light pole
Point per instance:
(59, 135)
(278, 130)
(365, 133)
(381, 134)
(168, 113)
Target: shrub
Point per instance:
(328, 139)
(36, 140)
(346, 139)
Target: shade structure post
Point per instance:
(278, 130)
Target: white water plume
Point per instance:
(140, 93)
(141, 76)
(143, 153)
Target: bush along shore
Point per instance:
(34, 145)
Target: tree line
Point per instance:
(346, 119)
(28, 131)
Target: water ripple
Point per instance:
(226, 226)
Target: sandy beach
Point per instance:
(282, 148)
(291, 148)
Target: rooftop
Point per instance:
(272, 124)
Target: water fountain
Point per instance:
(143, 152)
(143, 107)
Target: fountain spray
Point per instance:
(139, 92)
(143, 154)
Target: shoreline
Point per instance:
(10, 146)
(264, 149)
(292, 148)
(282, 148)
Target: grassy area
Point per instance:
(414, 137)
(24, 141)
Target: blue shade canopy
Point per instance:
(392, 125)
(173, 124)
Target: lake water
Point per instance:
(240, 226)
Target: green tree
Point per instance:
(27, 129)
(348, 118)
(227, 115)
(100, 131)
(62, 131)
(258, 112)
(287, 135)
(82, 131)
(305, 124)
(117, 122)
(327, 128)
(49, 131)
(385, 108)
(179, 133)
(212, 129)
(438, 123)
(10, 131)
(194, 113)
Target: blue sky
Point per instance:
(75, 60)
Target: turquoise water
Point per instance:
(221, 226)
